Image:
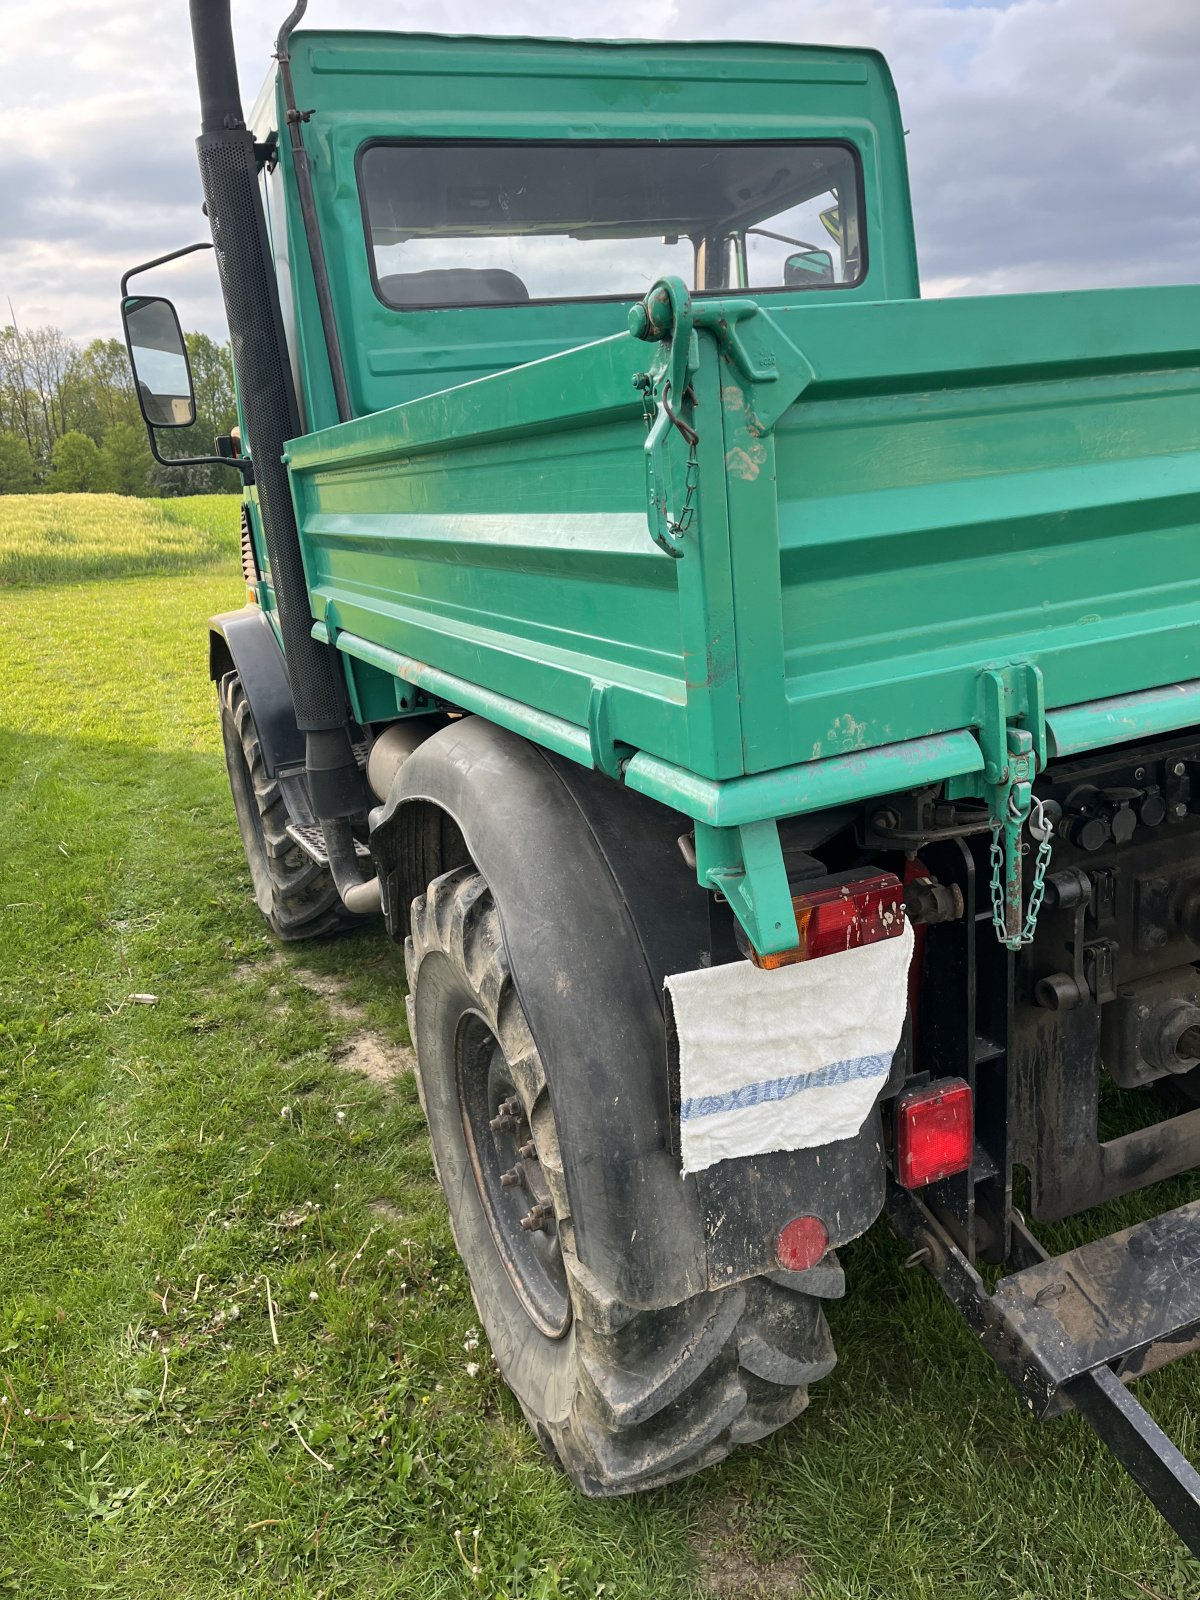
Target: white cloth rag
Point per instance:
(788, 1059)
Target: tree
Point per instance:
(100, 393)
(126, 460)
(16, 465)
(78, 465)
(50, 387)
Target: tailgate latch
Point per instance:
(1013, 755)
(669, 403)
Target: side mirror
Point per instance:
(808, 269)
(158, 355)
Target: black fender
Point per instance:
(597, 905)
(244, 641)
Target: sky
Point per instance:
(1052, 143)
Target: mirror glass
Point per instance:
(808, 269)
(160, 363)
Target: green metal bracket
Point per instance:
(608, 755)
(746, 865)
(1010, 694)
(760, 352)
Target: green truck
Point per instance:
(764, 704)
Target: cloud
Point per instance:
(1052, 143)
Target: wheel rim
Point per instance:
(508, 1174)
(245, 804)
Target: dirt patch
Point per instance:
(732, 1574)
(332, 990)
(386, 1211)
(329, 986)
(378, 1059)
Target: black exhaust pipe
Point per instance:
(229, 172)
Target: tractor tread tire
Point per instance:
(295, 894)
(653, 1395)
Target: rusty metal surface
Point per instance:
(1112, 1297)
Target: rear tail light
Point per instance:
(857, 910)
(935, 1132)
(801, 1243)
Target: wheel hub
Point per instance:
(509, 1176)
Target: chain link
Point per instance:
(1042, 830)
(691, 477)
(676, 527)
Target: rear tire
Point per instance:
(297, 896)
(625, 1398)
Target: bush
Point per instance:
(127, 460)
(78, 466)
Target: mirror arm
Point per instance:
(241, 464)
(172, 255)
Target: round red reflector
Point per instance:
(801, 1243)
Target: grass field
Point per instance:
(60, 538)
(237, 1351)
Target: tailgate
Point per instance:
(963, 484)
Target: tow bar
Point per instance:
(1070, 1331)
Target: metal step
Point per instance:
(1112, 1299)
(312, 843)
(1066, 1330)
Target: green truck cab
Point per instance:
(765, 704)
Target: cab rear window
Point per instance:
(454, 223)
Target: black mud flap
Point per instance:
(1070, 1331)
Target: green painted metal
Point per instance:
(864, 540)
(909, 521)
(1123, 717)
(746, 865)
(809, 785)
(367, 86)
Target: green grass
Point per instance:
(153, 1436)
(61, 538)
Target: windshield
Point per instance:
(455, 223)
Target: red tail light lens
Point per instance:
(842, 916)
(935, 1132)
(801, 1243)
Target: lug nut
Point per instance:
(528, 1151)
(537, 1219)
(512, 1177)
(507, 1116)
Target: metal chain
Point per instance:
(676, 527)
(1041, 829)
(690, 478)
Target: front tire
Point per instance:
(625, 1398)
(297, 896)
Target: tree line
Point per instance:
(69, 418)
